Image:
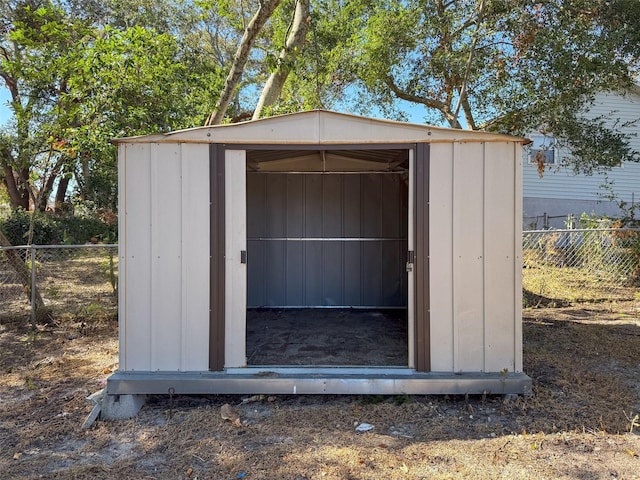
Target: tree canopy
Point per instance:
(81, 72)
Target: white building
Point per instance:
(560, 192)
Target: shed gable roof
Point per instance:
(319, 127)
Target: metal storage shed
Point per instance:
(320, 252)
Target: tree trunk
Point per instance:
(23, 272)
(254, 27)
(61, 193)
(295, 40)
(24, 188)
(45, 193)
(47, 186)
(15, 197)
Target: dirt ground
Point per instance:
(307, 337)
(584, 361)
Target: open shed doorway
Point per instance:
(327, 240)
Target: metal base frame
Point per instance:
(274, 383)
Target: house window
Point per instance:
(543, 148)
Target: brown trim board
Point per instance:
(422, 287)
(216, 257)
(320, 146)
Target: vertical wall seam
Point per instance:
(343, 267)
(153, 212)
(184, 279)
(516, 261)
(484, 257)
(427, 250)
(122, 252)
(285, 186)
(454, 339)
(304, 244)
(517, 257)
(265, 225)
(323, 293)
(381, 233)
(360, 245)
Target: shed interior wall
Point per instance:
(326, 240)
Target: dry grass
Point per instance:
(561, 285)
(75, 285)
(584, 363)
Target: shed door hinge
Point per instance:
(243, 256)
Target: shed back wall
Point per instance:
(285, 271)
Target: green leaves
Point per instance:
(76, 83)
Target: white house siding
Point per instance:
(559, 192)
(164, 257)
(474, 236)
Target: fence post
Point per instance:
(32, 255)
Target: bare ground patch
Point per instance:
(584, 361)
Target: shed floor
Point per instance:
(327, 337)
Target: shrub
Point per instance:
(16, 228)
(50, 228)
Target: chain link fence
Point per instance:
(563, 266)
(77, 282)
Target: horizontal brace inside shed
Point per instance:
(331, 172)
(324, 239)
(327, 307)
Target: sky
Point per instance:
(4, 109)
(415, 113)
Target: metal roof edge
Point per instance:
(320, 114)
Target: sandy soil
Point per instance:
(585, 363)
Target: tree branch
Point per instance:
(463, 88)
(293, 44)
(428, 102)
(265, 10)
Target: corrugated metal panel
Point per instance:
(135, 354)
(500, 226)
(122, 255)
(441, 256)
(285, 270)
(166, 247)
(468, 263)
(195, 248)
(474, 257)
(165, 234)
(517, 264)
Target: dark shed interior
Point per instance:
(327, 250)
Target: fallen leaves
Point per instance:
(228, 414)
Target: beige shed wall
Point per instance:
(475, 257)
(164, 257)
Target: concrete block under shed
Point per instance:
(121, 407)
